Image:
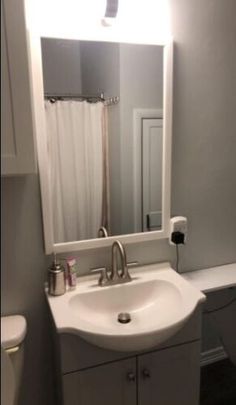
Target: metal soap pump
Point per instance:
(56, 278)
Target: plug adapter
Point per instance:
(178, 230)
(177, 238)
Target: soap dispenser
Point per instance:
(56, 278)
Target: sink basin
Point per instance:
(155, 305)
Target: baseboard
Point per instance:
(213, 355)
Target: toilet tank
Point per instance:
(13, 332)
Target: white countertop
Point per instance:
(213, 278)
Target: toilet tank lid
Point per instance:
(13, 330)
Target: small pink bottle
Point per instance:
(71, 272)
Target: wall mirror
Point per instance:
(103, 117)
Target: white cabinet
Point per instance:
(110, 384)
(17, 142)
(170, 376)
(165, 377)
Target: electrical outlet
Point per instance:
(178, 224)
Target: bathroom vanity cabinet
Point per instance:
(166, 375)
(18, 149)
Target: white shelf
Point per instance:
(214, 278)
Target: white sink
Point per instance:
(158, 300)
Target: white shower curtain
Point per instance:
(77, 170)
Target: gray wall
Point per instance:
(203, 182)
(61, 66)
(204, 133)
(100, 68)
(141, 84)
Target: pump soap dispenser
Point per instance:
(56, 278)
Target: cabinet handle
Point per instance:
(146, 373)
(131, 376)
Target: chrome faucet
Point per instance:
(116, 275)
(102, 232)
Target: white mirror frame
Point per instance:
(40, 131)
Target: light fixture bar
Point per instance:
(111, 9)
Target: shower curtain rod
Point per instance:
(91, 97)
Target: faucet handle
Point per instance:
(104, 277)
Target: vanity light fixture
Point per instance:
(132, 21)
(111, 12)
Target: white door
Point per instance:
(152, 145)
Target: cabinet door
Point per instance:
(170, 376)
(110, 384)
(17, 142)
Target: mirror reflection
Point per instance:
(103, 110)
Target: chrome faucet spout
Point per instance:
(116, 275)
(102, 232)
(117, 247)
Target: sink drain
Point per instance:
(124, 317)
